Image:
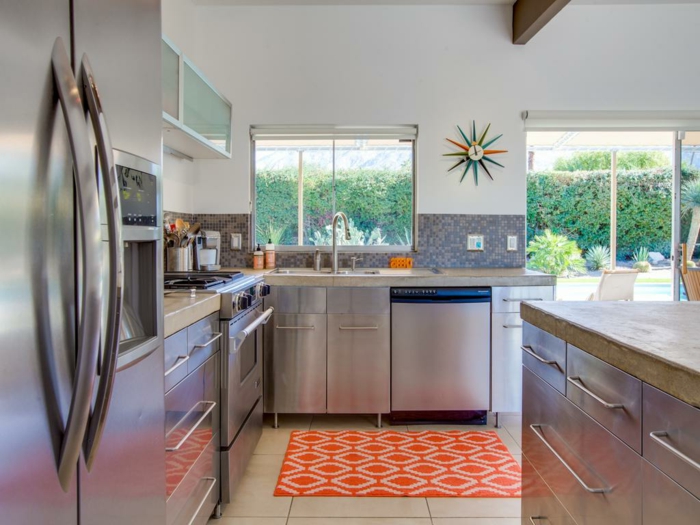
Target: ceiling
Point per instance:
(424, 2)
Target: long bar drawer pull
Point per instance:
(538, 518)
(204, 499)
(656, 436)
(181, 360)
(216, 337)
(241, 336)
(528, 350)
(576, 381)
(512, 326)
(358, 328)
(523, 299)
(566, 465)
(295, 327)
(211, 404)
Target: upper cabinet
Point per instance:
(196, 117)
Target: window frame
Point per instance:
(388, 248)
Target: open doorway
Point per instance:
(604, 200)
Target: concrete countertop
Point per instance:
(446, 277)
(656, 342)
(181, 310)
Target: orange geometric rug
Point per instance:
(432, 464)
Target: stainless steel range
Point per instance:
(241, 319)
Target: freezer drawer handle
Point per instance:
(211, 404)
(204, 499)
(656, 436)
(523, 299)
(243, 334)
(181, 360)
(216, 337)
(295, 327)
(358, 328)
(512, 326)
(528, 350)
(566, 465)
(576, 381)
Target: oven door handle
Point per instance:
(243, 334)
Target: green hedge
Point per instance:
(371, 198)
(578, 205)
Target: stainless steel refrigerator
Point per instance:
(81, 353)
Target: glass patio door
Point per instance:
(686, 205)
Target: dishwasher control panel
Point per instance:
(441, 294)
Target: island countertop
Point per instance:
(657, 342)
(181, 310)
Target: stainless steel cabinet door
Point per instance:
(359, 364)
(295, 363)
(506, 363)
(665, 501)
(122, 41)
(596, 476)
(38, 316)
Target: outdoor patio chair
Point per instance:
(690, 276)
(615, 285)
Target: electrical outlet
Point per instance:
(475, 243)
(512, 245)
(236, 241)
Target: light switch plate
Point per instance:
(236, 241)
(512, 243)
(475, 243)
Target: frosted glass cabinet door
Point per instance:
(205, 111)
(170, 67)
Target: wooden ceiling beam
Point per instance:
(529, 16)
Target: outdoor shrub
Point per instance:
(598, 257)
(602, 160)
(642, 266)
(690, 264)
(641, 254)
(578, 205)
(555, 254)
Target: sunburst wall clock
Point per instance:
(475, 153)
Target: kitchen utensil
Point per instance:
(178, 259)
(179, 224)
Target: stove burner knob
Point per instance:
(243, 301)
(262, 290)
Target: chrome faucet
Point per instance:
(334, 227)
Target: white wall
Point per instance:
(435, 67)
(178, 23)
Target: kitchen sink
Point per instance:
(360, 272)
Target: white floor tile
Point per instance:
(248, 521)
(476, 521)
(330, 507)
(474, 507)
(359, 521)
(254, 496)
(273, 441)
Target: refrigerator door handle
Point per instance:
(116, 263)
(87, 209)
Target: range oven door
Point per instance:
(242, 377)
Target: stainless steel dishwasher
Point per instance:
(440, 349)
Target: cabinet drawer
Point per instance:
(672, 438)
(192, 407)
(607, 394)
(539, 504)
(295, 363)
(545, 355)
(175, 358)
(506, 362)
(297, 299)
(202, 340)
(508, 298)
(234, 461)
(358, 301)
(193, 502)
(665, 502)
(359, 364)
(595, 475)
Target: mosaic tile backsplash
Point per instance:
(442, 242)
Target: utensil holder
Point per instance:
(178, 260)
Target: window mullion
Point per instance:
(300, 198)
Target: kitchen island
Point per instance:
(611, 424)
